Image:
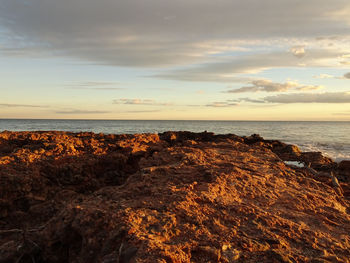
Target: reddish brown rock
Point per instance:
(344, 166)
(344, 170)
(172, 197)
(287, 152)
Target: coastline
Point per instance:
(172, 196)
(330, 138)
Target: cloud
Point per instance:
(298, 51)
(324, 76)
(222, 104)
(95, 85)
(342, 113)
(258, 101)
(326, 97)
(229, 69)
(141, 111)
(155, 33)
(309, 87)
(341, 14)
(347, 75)
(10, 105)
(269, 86)
(149, 102)
(81, 112)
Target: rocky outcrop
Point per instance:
(344, 170)
(172, 197)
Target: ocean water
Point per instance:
(330, 138)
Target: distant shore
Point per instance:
(172, 196)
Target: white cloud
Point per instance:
(298, 51)
(324, 76)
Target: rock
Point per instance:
(172, 197)
(206, 252)
(229, 254)
(8, 251)
(279, 256)
(344, 166)
(344, 171)
(286, 152)
(318, 161)
(254, 138)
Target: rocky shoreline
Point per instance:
(169, 197)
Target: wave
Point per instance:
(335, 151)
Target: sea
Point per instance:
(330, 138)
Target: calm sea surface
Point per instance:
(331, 138)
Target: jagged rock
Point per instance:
(287, 152)
(172, 197)
(344, 170)
(318, 161)
(344, 166)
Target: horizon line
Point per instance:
(62, 119)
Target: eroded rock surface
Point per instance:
(172, 197)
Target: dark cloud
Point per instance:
(347, 75)
(159, 33)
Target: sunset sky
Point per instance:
(184, 59)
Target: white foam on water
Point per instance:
(334, 151)
(295, 163)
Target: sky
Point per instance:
(175, 60)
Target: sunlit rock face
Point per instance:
(170, 197)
